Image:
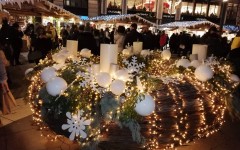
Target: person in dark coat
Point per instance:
(87, 40)
(5, 39)
(17, 43)
(213, 39)
(132, 36)
(148, 39)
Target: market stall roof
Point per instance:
(35, 8)
(231, 28)
(187, 24)
(111, 18)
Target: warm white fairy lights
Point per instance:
(185, 111)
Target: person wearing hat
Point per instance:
(132, 36)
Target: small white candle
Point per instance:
(108, 55)
(200, 50)
(96, 69)
(72, 46)
(137, 47)
(113, 69)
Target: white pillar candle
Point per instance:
(72, 46)
(137, 47)
(96, 69)
(193, 57)
(200, 50)
(108, 55)
(113, 69)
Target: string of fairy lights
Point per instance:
(178, 117)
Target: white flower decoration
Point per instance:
(76, 125)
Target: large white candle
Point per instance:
(200, 50)
(108, 55)
(72, 47)
(137, 47)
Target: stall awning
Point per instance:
(35, 8)
(187, 24)
(112, 18)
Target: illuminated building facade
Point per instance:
(159, 10)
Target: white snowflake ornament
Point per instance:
(88, 79)
(76, 125)
(133, 66)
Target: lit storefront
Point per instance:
(189, 9)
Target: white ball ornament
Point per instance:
(117, 87)
(122, 75)
(86, 53)
(166, 54)
(183, 62)
(203, 73)
(146, 106)
(65, 53)
(28, 71)
(56, 86)
(104, 79)
(145, 53)
(234, 78)
(60, 58)
(195, 63)
(47, 74)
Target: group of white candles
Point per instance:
(109, 54)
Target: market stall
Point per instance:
(193, 27)
(35, 8)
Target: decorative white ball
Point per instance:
(86, 53)
(203, 73)
(104, 79)
(126, 52)
(65, 53)
(122, 75)
(166, 54)
(195, 63)
(56, 86)
(47, 74)
(117, 87)
(183, 62)
(28, 70)
(60, 58)
(234, 78)
(145, 53)
(146, 106)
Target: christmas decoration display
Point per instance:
(162, 102)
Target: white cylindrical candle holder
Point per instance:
(137, 47)
(193, 57)
(72, 46)
(113, 69)
(108, 55)
(200, 50)
(96, 69)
